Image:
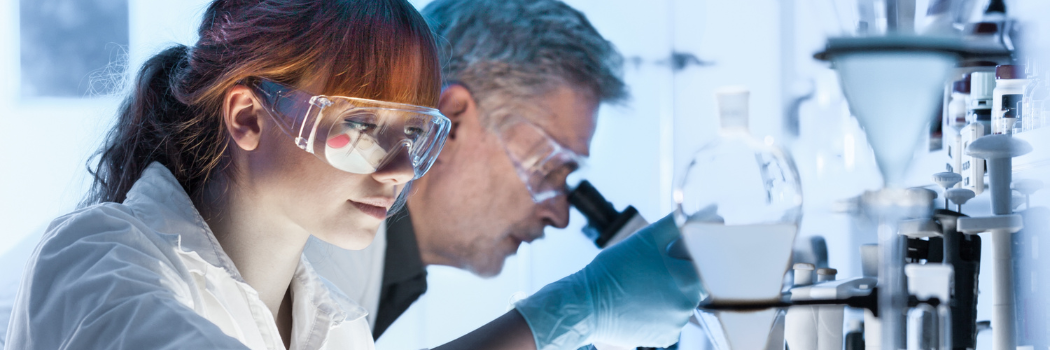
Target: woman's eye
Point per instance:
(413, 131)
(360, 126)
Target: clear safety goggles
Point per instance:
(355, 135)
(542, 164)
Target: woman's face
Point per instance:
(301, 190)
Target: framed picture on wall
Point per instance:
(72, 48)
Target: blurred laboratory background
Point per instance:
(64, 66)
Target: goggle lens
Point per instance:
(357, 135)
(362, 142)
(542, 164)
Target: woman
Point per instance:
(207, 191)
(288, 119)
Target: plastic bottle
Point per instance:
(1006, 99)
(979, 124)
(957, 122)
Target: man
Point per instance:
(524, 79)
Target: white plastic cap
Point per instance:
(804, 274)
(981, 85)
(826, 274)
(732, 102)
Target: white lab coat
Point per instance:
(358, 273)
(149, 274)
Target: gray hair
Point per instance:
(514, 50)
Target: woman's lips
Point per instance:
(375, 211)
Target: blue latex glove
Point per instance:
(632, 294)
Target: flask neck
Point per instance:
(732, 105)
(734, 130)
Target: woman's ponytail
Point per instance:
(146, 126)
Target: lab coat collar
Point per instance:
(317, 308)
(161, 203)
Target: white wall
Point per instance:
(46, 142)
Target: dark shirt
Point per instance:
(404, 275)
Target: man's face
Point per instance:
(472, 210)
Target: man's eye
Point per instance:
(559, 174)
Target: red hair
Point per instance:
(375, 49)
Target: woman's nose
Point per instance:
(397, 170)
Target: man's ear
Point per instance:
(457, 103)
(241, 117)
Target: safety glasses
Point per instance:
(355, 135)
(542, 164)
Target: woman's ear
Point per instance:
(457, 103)
(241, 117)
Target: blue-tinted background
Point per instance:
(56, 102)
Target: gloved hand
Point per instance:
(632, 294)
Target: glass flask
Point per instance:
(738, 207)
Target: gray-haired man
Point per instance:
(523, 82)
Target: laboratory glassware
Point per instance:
(738, 206)
(1034, 102)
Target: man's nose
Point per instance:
(397, 170)
(555, 211)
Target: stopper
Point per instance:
(947, 180)
(959, 196)
(732, 102)
(998, 146)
